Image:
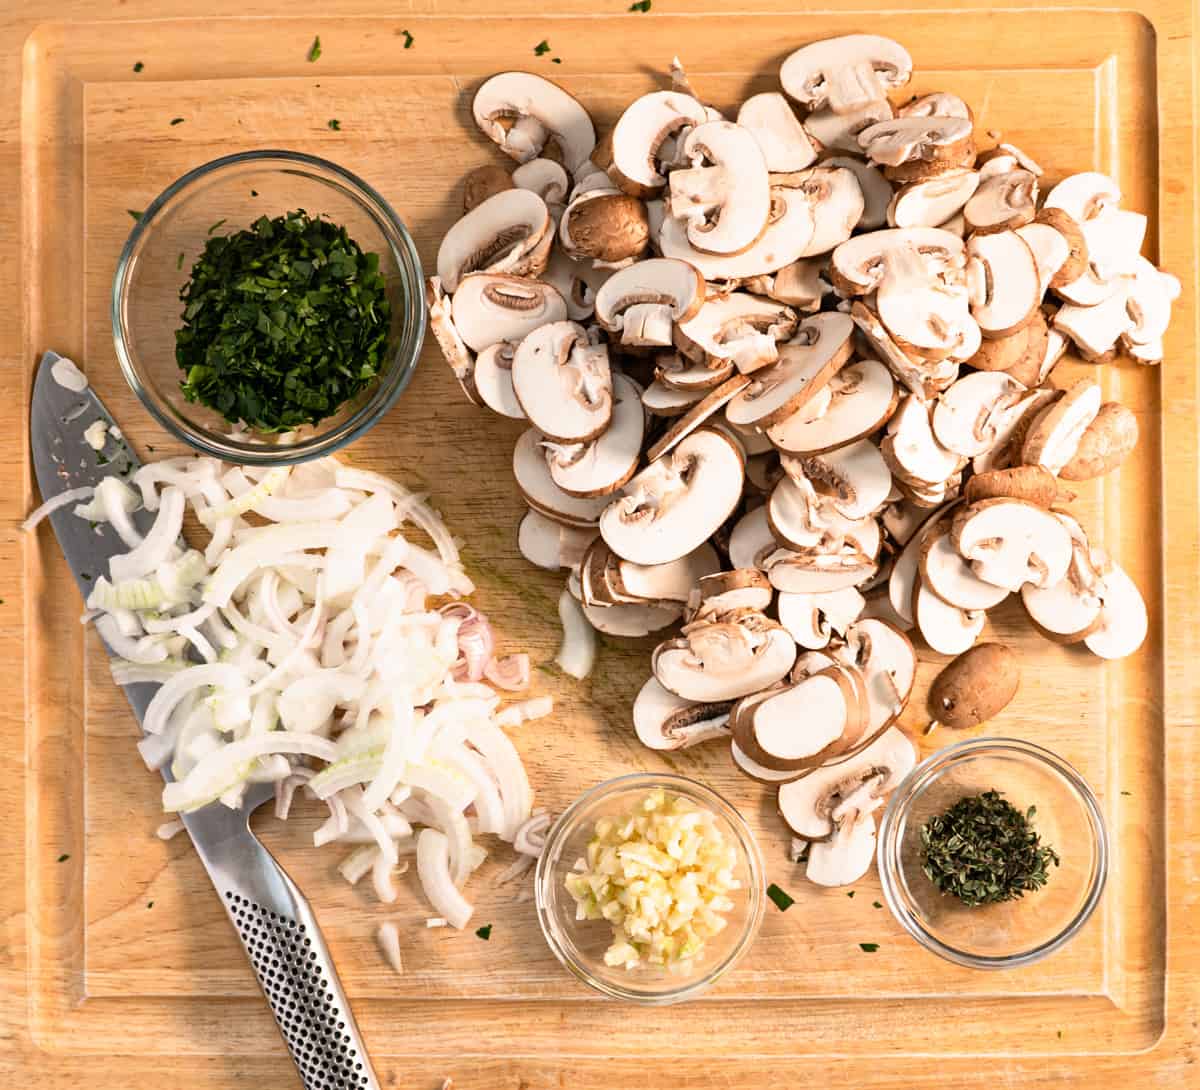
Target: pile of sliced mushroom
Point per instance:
(789, 379)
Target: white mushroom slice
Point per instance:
(799, 725)
(932, 201)
(752, 540)
(812, 619)
(968, 416)
(1054, 435)
(551, 545)
(936, 104)
(761, 773)
(677, 502)
(493, 380)
(808, 804)
(1011, 542)
(947, 629)
(742, 328)
(1123, 620)
(956, 225)
(839, 132)
(846, 73)
(885, 658)
(1068, 611)
(742, 588)
(724, 196)
(665, 721)
(670, 582)
(820, 347)
(671, 369)
(639, 136)
(876, 189)
(994, 163)
(1003, 282)
(576, 281)
(950, 577)
(603, 465)
(546, 178)
(780, 136)
(924, 313)
(541, 493)
(902, 583)
(799, 284)
(1095, 330)
(1050, 251)
(663, 400)
(724, 660)
(521, 112)
(644, 301)
(631, 621)
(847, 855)
(906, 139)
(901, 519)
(1003, 203)
(816, 572)
(911, 449)
(509, 233)
(864, 397)
(1114, 242)
(856, 475)
(454, 349)
(921, 378)
(800, 518)
(1148, 302)
(489, 307)
(1000, 456)
(708, 406)
(563, 382)
(608, 228)
(837, 201)
(863, 263)
(1085, 196)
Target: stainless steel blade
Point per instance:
(273, 919)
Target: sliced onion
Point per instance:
(433, 870)
(63, 499)
(217, 675)
(504, 761)
(511, 672)
(577, 654)
(525, 711)
(159, 545)
(389, 942)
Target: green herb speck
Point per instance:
(63, 858)
(149, 448)
(1060, 1034)
(781, 900)
(138, 66)
(149, 904)
(135, 215)
(214, 227)
(179, 260)
(484, 932)
(876, 904)
(868, 947)
(542, 48)
(86, 576)
(176, 121)
(408, 39)
(254, 192)
(556, 60)
(641, 5)
(850, 894)
(314, 50)
(1126, 793)
(335, 124)
(101, 459)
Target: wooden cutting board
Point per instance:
(117, 965)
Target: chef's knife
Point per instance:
(270, 915)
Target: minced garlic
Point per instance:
(660, 874)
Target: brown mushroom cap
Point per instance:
(975, 687)
(606, 227)
(1106, 442)
(483, 182)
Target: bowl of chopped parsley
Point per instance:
(267, 308)
(993, 853)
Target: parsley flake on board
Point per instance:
(876, 904)
(484, 932)
(63, 858)
(542, 48)
(138, 66)
(335, 124)
(641, 5)
(868, 947)
(314, 50)
(135, 215)
(283, 322)
(408, 39)
(781, 900)
(179, 260)
(176, 121)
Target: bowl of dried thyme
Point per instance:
(993, 853)
(268, 307)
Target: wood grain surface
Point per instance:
(117, 965)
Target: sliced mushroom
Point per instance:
(837, 201)
(484, 182)
(1123, 620)
(1068, 611)
(818, 350)
(911, 449)
(885, 658)
(1011, 432)
(863, 263)
(760, 773)
(509, 233)
(848, 854)
(1095, 330)
(846, 73)
(936, 104)
(708, 406)
(780, 136)
(925, 315)
(640, 133)
(742, 328)
(802, 519)
(677, 502)
(547, 179)
(856, 477)
(1003, 282)
(576, 281)
(1010, 543)
(944, 572)
(906, 570)
(1106, 442)
(864, 397)
(975, 687)
(551, 545)
(812, 619)
(798, 284)
(1002, 203)
(1076, 262)
(663, 400)
(1148, 301)
(1034, 484)
(608, 228)
(751, 539)
(1013, 352)
(522, 112)
(808, 805)
(671, 582)
(665, 721)
(490, 307)
(542, 494)
(967, 417)
(631, 621)
(902, 519)
(1050, 250)
(1055, 435)
(493, 380)
(563, 382)
(929, 203)
(742, 588)
(454, 350)
(923, 379)
(601, 466)
(673, 370)
(1085, 196)
(724, 660)
(839, 132)
(908, 139)
(644, 301)
(947, 629)
(800, 725)
(817, 571)
(876, 189)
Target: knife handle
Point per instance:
(295, 971)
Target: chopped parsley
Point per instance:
(149, 904)
(179, 260)
(542, 48)
(556, 60)
(135, 215)
(335, 124)
(484, 932)
(641, 5)
(254, 192)
(868, 947)
(86, 576)
(176, 121)
(781, 900)
(314, 50)
(408, 39)
(215, 226)
(876, 904)
(63, 858)
(138, 66)
(1126, 793)
(850, 894)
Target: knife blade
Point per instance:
(272, 918)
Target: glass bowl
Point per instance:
(580, 944)
(170, 236)
(1067, 818)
